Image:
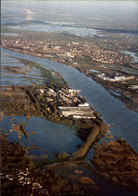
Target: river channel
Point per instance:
(112, 110)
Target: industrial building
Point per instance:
(82, 111)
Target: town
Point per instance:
(65, 52)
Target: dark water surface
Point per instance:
(52, 137)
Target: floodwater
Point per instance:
(48, 136)
(13, 72)
(132, 54)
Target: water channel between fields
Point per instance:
(112, 110)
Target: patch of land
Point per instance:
(19, 176)
(16, 69)
(117, 160)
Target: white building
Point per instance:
(68, 92)
(51, 92)
(76, 112)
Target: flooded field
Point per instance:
(50, 137)
(16, 71)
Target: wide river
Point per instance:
(112, 110)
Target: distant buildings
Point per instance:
(51, 92)
(116, 78)
(64, 52)
(68, 92)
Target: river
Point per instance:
(112, 110)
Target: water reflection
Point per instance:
(49, 136)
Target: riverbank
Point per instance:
(123, 91)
